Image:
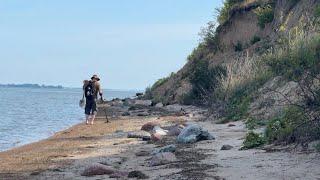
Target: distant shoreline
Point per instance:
(38, 86)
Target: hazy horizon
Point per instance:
(129, 44)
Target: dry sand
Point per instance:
(67, 153)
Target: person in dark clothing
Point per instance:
(91, 90)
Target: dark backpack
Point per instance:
(89, 91)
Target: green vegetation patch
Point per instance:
(284, 128)
(224, 12)
(238, 47)
(255, 39)
(204, 80)
(252, 123)
(265, 15)
(241, 97)
(253, 140)
(296, 57)
(317, 11)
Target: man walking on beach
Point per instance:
(91, 89)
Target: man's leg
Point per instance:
(88, 110)
(87, 118)
(94, 111)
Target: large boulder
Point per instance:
(139, 134)
(160, 131)
(159, 105)
(98, 169)
(149, 126)
(226, 147)
(175, 130)
(156, 137)
(143, 102)
(137, 174)
(193, 133)
(162, 158)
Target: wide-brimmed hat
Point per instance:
(95, 77)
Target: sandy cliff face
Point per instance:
(241, 28)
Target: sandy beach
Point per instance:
(66, 154)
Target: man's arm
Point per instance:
(99, 89)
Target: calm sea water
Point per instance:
(28, 115)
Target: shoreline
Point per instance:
(44, 138)
(67, 153)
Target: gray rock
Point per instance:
(149, 126)
(169, 148)
(125, 113)
(143, 102)
(97, 169)
(137, 174)
(162, 158)
(175, 130)
(159, 105)
(139, 134)
(226, 147)
(159, 130)
(143, 114)
(193, 133)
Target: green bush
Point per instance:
(224, 12)
(238, 47)
(317, 11)
(252, 123)
(209, 38)
(282, 129)
(317, 147)
(253, 140)
(293, 2)
(296, 57)
(255, 39)
(265, 15)
(204, 80)
(239, 102)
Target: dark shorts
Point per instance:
(91, 107)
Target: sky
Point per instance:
(128, 43)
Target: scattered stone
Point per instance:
(226, 147)
(137, 174)
(174, 108)
(119, 174)
(143, 153)
(193, 133)
(97, 169)
(143, 102)
(149, 126)
(116, 102)
(119, 131)
(146, 138)
(57, 170)
(162, 158)
(143, 114)
(231, 125)
(159, 130)
(35, 173)
(156, 137)
(159, 105)
(125, 113)
(138, 134)
(169, 148)
(175, 130)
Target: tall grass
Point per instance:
(239, 73)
